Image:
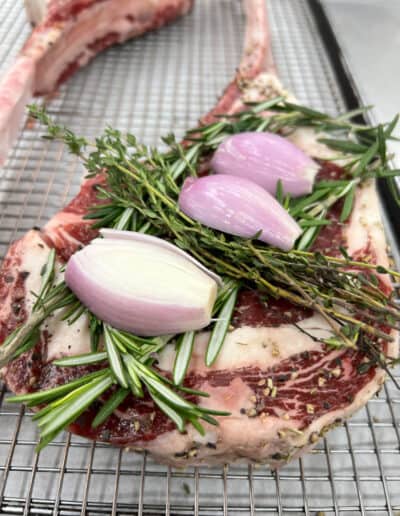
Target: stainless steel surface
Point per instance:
(163, 82)
(368, 32)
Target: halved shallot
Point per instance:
(266, 158)
(140, 284)
(239, 207)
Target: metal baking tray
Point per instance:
(158, 83)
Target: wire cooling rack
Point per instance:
(161, 82)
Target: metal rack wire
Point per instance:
(161, 82)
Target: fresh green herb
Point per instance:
(114, 357)
(149, 182)
(66, 403)
(141, 191)
(310, 211)
(47, 274)
(221, 327)
(126, 361)
(183, 355)
(113, 402)
(348, 204)
(80, 360)
(280, 197)
(130, 368)
(364, 148)
(56, 297)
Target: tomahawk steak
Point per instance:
(284, 389)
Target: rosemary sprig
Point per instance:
(141, 194)
(126, 361)
(47, 273)
(130, 366)
(64, 410)
(148, 182)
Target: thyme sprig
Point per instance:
(364, 149)
(140, 194)
(147, 183)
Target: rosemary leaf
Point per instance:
(72, 311)
(314, 223)
(44, 442)
(299, 206)
(37, 398)
(318, 115)
(82, 360)
(279, 192)
(133, 378)
(125, 220)
(188, 390)
(345, 146)
(224, 292)
(348, 204)
(129, 342)
(220, 328)
(183, 356)
(391, 126)
(57, 407)
(310, 234)
(47, 277)
(167, 394)
(114, 358)
(197, 425)
(367, 157)
(95, 330)
(29, 343)
(264, 106)
(211, 420)
(168, 410)
(355, 112)
(381, 140)
(110, 406)
(73, 410)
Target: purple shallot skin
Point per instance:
(239, 207)
(141, 284)
(266, 158)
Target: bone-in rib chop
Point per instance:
(69, 33)
(269, 370)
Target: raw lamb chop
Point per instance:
(68, 35)
(270, 388)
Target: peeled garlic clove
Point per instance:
(266, 158)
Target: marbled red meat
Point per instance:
(284, 389)
(307, 379)
(67, 36)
